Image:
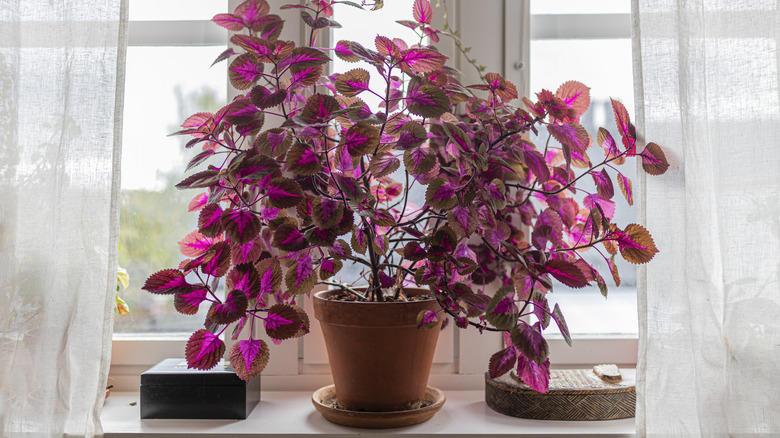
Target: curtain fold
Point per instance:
(707, 91)
(61, 91)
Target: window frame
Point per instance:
(469, 351)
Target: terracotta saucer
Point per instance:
(324, 397)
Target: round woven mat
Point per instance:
(574, 395)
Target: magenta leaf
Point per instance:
(422, 11)
(284, 193)
(187, 303)
(209, 220)
(427, 319)
(463, 220)
(289, 238)
(624, 183)
(301, 277)
(302, 57)
(653, 160)
(535, 375)
(422, 60)
(282, 322)
(626, 129)
(427, 101)
(195, 244)
(329, 268)
(167, 281)
(441, 194)
(204, 350)
(414, 252)
(270, 272)
(558, 317)
(603, 184)
(576, 96)
(353, 82)
(344, 51)
(248, 252)
(319, 109)
(501, 362)
(326, 213)
(360, 139)
(229, 22)
(244, 71)
(419, 160)
(206, 178)
(230, 310)
(302, 160)
(636, 245)
(241, 225)
(536, 163)
(606, 206)
(244, 278)
(529, 341)
(219, 260)
(249, 357)
(384, 164)
(566, 272)
(501, 311)
(572, 136)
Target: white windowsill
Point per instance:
(291, 414)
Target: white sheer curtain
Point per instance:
(61, 88)
(707, 90)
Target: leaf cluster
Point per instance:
(281, 208)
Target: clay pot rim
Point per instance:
(426, 292)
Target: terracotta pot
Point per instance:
(379, 359)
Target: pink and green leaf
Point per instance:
(249, 358)
(204, 350)
(167, 281)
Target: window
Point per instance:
(168, 79)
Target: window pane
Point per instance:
(605, 66)
(164, 85)
(176, 9)
(580, 7)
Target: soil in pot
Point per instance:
(379, 359)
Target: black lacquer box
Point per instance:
(171, 390)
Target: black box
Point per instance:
(171, 390)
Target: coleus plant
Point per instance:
(302, 175)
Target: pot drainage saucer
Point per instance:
(325, 397)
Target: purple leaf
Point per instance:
(501, 362)
(282, 322)
(284, 193)
(605, 205)
(195, 244)
(204, 350)
(558, 317)
(427, 101)
(329, 267)
(441, 194)
(302, 160)
(219, 262)
(530, 342)
(241, 225)
(360, 139)
(249, 357)
(422, 11)
(270, 272)
(537, 376)
(603, 184)
(244, 71)
(384, 164)
(353, 82)
(187, 303)
(300, 278)
(343, 51)
(244, 278)
(427, 319)
(167, 281)
(626, 188)
(229, 22)
(422, 60)
(304, 57)
(209, 220)
(230, 310)
(653, 160)
(289, 238)
(414, 252)
(536, 163)
(566, 272)
(419, 160)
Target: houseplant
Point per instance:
(298, 163)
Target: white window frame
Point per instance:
(462, 362)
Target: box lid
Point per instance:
(174, 371)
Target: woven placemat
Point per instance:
(574, 395)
